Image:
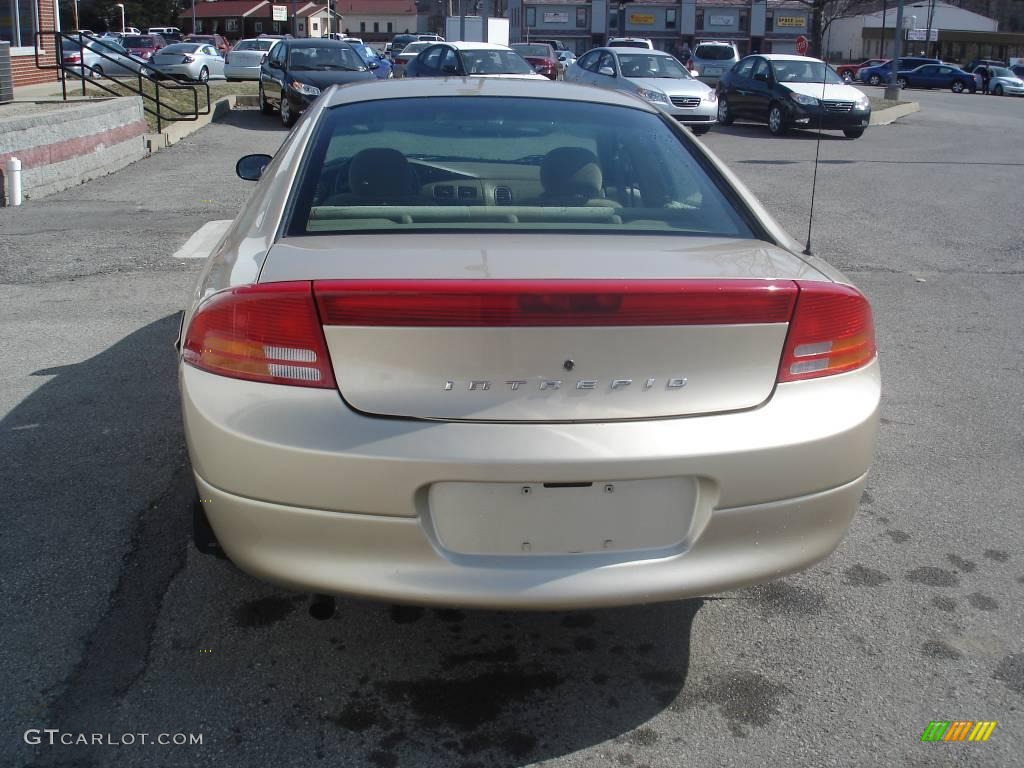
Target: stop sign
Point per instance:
(801, 45)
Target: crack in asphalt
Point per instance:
(119, 647)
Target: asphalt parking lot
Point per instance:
(113, 624)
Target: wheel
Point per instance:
(874, 80)
(97, 71)
(204, 75)
(847, 78)
(776, 120)
(203, 537)
(265, 106)
(700, 130)
(287, 116)
(901, 82)
(998, 90)
(853, 133)
(724, 113)
(957, 87)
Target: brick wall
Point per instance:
(23, 68)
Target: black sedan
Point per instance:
(937, 76)
(295, 71)
(791, 92)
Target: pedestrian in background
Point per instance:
(986, 78)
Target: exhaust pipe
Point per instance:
(322, 607)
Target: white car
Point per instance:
(243, 61)
(655, 76)
(581, 365)
(630, 42)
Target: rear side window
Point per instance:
(714, 52)
(505, 164)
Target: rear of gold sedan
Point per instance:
(526, 403)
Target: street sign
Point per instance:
(280, 12)
(801, 45)
(931, 35)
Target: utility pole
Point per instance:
(882, 46)
(462, 20)
(928, 33)
(892, 90)
(194, 17)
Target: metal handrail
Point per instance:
(164, 112)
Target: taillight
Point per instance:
(72, 58)
(512, 303)
(831, 332)
(187, 59)
(268, 333)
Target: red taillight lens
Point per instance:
(72, 58)
(510, 303)
(267, 333)
(831, 332)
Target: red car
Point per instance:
(849, 71)
(143, 46)
(218, 42)
(540, 56)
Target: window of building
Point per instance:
(390, 25)
(199, 25)
(699, 21)
(376, 26)
(670, 18)
(581, 18)
(231, 25)
(362, 26)
(531, 17)
(613, 20)
(18, 22)
(744, 21)
(257, 27)
(316, 25)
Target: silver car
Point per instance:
(198, 62)
(712, 59)
(653, 75)
(243, 61)
(101, 57)
(1005, 83)
(584, 366)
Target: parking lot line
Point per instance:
(202, 241)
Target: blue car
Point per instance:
(938, 76)
(384, 69)
(882, 73)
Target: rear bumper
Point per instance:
(309, 494)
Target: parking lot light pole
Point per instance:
(892, 90)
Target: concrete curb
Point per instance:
(892, 114)
(178, 131)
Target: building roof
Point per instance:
(376, 7)
(226, 9)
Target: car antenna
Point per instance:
(817, 144)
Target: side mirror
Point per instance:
(263, 59)
(606, 71)
(373, 65)
(251, 167)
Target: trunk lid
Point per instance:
(613, 327)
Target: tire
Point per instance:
(725, 116)
(874, 80)
(97, 72)
(265, 106)
(204, 75)
(957, 87)
(998, 90)
(287, 117)
(847, 78)
(853, 133)
(901, 82)
(777, 120)
(700, 130)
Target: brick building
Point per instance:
(19, 22)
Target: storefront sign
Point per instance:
(556, 17)
(790, 22)
(641, 18)
(280, 13)
(721, 21)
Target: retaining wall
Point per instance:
(73, 142)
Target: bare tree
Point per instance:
(825, 12)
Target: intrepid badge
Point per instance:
(584, 385)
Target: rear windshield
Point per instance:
(532, 50)
(495, 62)
(138, 42)
(714, 52)
(497, 163)
(630, 44)
(255, 45)
(415, 47)
(181, 48)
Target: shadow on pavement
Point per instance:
(253, 120)
(760, 131)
